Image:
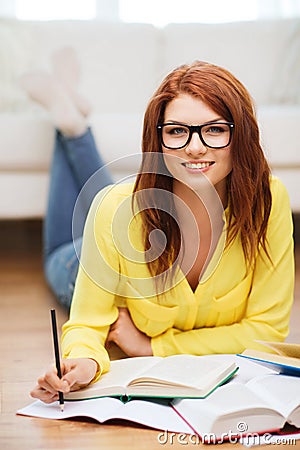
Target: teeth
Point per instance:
(200, 165)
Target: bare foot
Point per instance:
(66, 68)
(46, 90)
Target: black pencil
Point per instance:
(56, 353)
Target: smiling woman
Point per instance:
(198, 149)
(188, 259)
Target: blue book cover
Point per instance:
(281, 367)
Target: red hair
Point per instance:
(248, 184)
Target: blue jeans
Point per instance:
(75, 160)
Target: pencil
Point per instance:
(56, 353)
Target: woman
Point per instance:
(192, 257)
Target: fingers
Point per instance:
(52, 383)
(113, 336)
(123, 318)
(114, 329)
(123, 324)
(44, 395)
(76, 374)
(48, 387)
(79, 372)
(123, 313)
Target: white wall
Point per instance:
(108, 10)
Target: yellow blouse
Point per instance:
(230, 309)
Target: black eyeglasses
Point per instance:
(212, 134)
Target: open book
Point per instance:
(255, 400)
(286, 358)
(151, 376)
(264, 404)
(156, 413)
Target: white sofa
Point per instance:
(121, 66)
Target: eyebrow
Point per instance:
(219, 119)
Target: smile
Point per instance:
(199, 165)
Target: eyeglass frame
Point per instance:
(195, 129)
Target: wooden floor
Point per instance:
(26, 349)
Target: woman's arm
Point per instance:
(128, 337)
(93, 308)
(269, 303)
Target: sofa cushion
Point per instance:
(280, 134)
(254, 51)
(31, 136)
(118, 61)
(286, 86)
(26, 142)
(25, 194)
(15, 58)
(290, 178)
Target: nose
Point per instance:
(195, 146)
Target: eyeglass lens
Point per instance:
(214, 135)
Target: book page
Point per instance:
(247, 370)
(226, 407)
(187, 370)
(283, 348)
(120, 373)
(153, 414)
(272, 357)
(280, 391)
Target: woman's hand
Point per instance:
(125, 334)
(76, 373)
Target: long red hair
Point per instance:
(248, 184)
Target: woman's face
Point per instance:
(191, 162)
